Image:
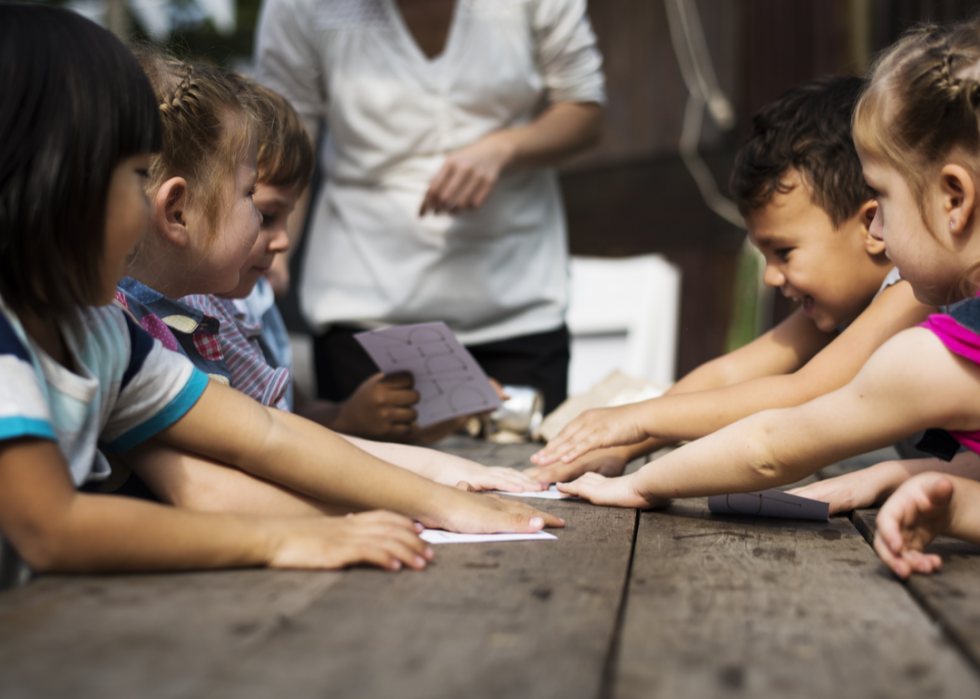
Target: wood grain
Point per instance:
(525, 619)
(951, 596)
(721, 605)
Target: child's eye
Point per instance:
(267, 220)
(783, 253)
(251, 192)
(145, 174)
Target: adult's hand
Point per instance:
(468, 175)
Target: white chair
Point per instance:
(622, 314)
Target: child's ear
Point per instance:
(170, 211)
(959, 197)
(865, 215)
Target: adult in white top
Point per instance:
(442, 118)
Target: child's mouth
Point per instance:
(807, 304)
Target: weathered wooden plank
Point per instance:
(952, 596)
(719, 605)
(524, 619)
(142, 636)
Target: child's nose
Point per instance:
(280, 241)
(773, 276)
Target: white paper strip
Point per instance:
(440, 536)
(449, 381)
(770, 503)
(551, 493)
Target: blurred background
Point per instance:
(684, 78)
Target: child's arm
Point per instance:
(691, 416)
(56, 528)
(448, 469)
(303, 456)
(872, 485)
(910, 383)
(924, 507)
(783, 349)
(194, 482)
(197, 483)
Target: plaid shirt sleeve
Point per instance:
(250, 373)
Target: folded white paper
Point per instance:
(440, 536)
(449, 381)
(770, 503)
(551, 493)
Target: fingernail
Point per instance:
(419, 528)
(419, 561)
(429, 553)
(537, 522)
(396, 565)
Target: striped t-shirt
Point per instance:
(122, 389)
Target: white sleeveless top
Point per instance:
(392, 116)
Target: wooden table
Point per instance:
(677, 603)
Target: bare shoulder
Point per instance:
(920, 371)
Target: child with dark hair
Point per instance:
(917, 133)
(798, 183)
(78, 124)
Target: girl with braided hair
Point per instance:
(78, 123)
(203, 231)
(917, 132)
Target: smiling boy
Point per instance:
(798, 184)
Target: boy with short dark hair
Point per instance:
(798, 183)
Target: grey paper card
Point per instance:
(770, 503)
(449, 381)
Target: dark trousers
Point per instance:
(539, 360)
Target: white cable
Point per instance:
(694, 61)
(686, 33)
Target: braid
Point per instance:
(183, 92)
(205, 125)
(945, 68)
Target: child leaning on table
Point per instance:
(203, 229)
(253, 335)
(917, 131)
(798, 183)
(78, 122)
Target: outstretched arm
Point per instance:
(910, 383)
(872, 485)
(57, 529)
(693, 415)
(447, 469)
(289, 450)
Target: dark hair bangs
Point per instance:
(76, 103)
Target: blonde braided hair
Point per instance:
(207, 124)
(921, 108)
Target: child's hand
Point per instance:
(608, 462)
(913, 516)
(379, 538)
(490, 478)
(620, 492)
(380, 409)
(593, 429)
(490, 514)
(852, 491)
